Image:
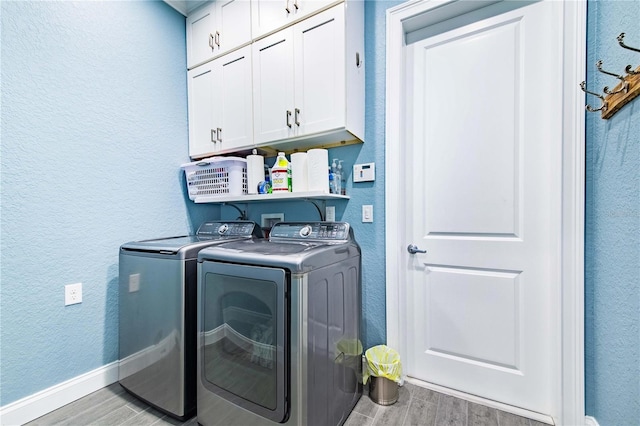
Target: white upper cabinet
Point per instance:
(319, 54)
(217, 28)
(326, 79)
(235, 100)
(203, 82)
(296, 88)
(273, 87)
(220, 107)
(269, 15)
(201, 28)
(234, 23)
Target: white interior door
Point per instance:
(484, 110)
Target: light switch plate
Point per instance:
(367, 213)
(364, 172)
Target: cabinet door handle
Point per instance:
(213, 135)
(218, 39)
(358, 61)
(219, 134)
(287, 7)
(288, 117)
(296, 119)
(295, 3)
(211, 41)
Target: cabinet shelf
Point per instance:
(285, 196)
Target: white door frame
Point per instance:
(568, 393)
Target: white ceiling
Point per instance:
(185, 6)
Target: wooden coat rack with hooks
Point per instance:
(624, 92)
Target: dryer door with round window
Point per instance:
(243, 324)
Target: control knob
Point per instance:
(305, 231)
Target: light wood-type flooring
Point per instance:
(113, 406)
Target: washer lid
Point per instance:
(296, 256)
(209, 233)
(168, 245)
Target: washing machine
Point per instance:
(279, 328)
(157, 310)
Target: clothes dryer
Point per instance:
(157, 310)
(279, 327)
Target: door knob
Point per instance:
(413, 249)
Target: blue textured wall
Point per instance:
(612, 264)
(94, 129)
(372, 236)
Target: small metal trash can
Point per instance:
(384, 369)
(383, 391)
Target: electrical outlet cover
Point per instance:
(330, 213)
(270, 219)
(72, 294)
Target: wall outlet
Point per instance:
(270, 219)
(330, 213)
(72, 294)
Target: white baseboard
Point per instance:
(43, 402)
(590, 421)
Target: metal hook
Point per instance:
(589, 108)
(625, 84)
(621, 43)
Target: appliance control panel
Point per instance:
(225, 229)
(325, 231)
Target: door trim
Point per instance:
(568, 305)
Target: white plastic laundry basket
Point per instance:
(212, 178)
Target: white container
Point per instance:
(318, 170)
(255, 172)
(216, 177)
(281, 174)
(299, 172)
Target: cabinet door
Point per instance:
(201, 35)
(233, 23)
(273, 87)
(320, 72)
(304, 8)
(235, 100)
(204, 112)
(269, 15)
